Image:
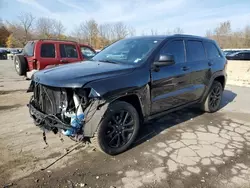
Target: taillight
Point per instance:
(34, 61)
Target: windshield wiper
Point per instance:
(108, 61)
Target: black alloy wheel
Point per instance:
(118, 128)
(213, 99)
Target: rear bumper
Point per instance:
(30, 73)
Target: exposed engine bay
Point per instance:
(64, 110)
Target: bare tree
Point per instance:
(17, 32)
(223, 29)
(247, 36)
(209, 34)
(153, 32)
(227, 38)
(168, 32)
(222, 34)
(4, 34)
(77, 34)
(101, 35)
(49, 28)
(120, 31)
(59, 29)
(89, 30)
(44, 27)
(178, 30)
(131, 31)
(26, 21)
(105, 33)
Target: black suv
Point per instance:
(242, 55)
(128, 83)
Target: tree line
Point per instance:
(27, 27)
(227, 38)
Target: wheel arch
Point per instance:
(93, 123)
(221, 79)
(218, 76)
(135, 101)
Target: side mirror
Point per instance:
(164, 60)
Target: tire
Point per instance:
(20, 64)
(111, 128)
(214, 94)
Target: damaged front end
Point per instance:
(73, 112)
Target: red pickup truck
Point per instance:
(45, 53)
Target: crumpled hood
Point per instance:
(76, 75)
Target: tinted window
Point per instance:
(195, 51)
(68, 51)
(87, 52)
(48, 50)
(247, 56)
(240, 55)
(176, 48)
(244, 55)
(28, 49)
(212, 50)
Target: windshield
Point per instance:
(233, 54)
(13, 51)
(87, 52)
(130, 51)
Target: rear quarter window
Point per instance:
(212, 50)
(195, 51)
(28, 49)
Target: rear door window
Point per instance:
(212, 50)
(175, 48)
(195, 51)
(68, 51)
(48, 50)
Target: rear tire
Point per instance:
(213, 100)
(20, 64)
(118, 129)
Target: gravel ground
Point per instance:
(183, 149)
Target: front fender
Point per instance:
(93, 116)
(98, 107)
(105, 91)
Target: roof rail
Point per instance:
(57, 40)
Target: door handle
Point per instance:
(210, 63)
(185, 68)
(63, 61)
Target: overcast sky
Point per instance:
(193, 16)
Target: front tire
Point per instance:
(214, 97)
(118, 129)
